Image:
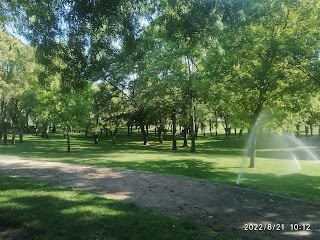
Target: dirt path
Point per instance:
(223, 208)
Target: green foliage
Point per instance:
(18, 81)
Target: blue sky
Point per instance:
(11, 30)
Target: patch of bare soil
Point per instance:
(245, 213)
(13, 233)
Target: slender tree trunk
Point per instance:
(160, 133)
(185, 136)
(45, 131)
(68, 139)
(216, 127)
(13, 139)
(21, 135)
(144, 134)
(113, 135)
(96, 138)
(253, 152)
(240, 132)
(174, 131)
(193, 130)
(307, 132)
(5, 133)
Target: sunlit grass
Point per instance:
(218, 159)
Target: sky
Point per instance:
(12, 31)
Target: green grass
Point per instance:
(50, 212)
(218, 159)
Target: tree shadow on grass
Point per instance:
(57, 213)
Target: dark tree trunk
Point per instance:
(113, 135)
(216, 127)
(298, 129)
(174, 131)
(185, 136)
(253, 152)
(13, 139)
(160, 133)
(45, 131)
(193, 130)
(21, 135)
(107, 132)
(144, 134)
(307, 132)
(68, 139)
(5, 133)
(86, 131)
(96, 138)
(240, 132)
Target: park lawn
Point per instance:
(218, 159)
(51, 212)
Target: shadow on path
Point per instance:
(221, 207)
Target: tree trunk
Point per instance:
(96, 138)
(45, 131)
(144, 134)
(185, 136)
(307, 132)
(216, 127)
(160, 133)
(5, 133)
(113, 135)
(86, 131)
(193, 130)
(253, 152)
(13, 139)
(240, 132)
(21, 135)
(68, 139)
(174, 131)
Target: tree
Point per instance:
(110, 108)
(18, 83)
(72, 110)
(260, 57)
